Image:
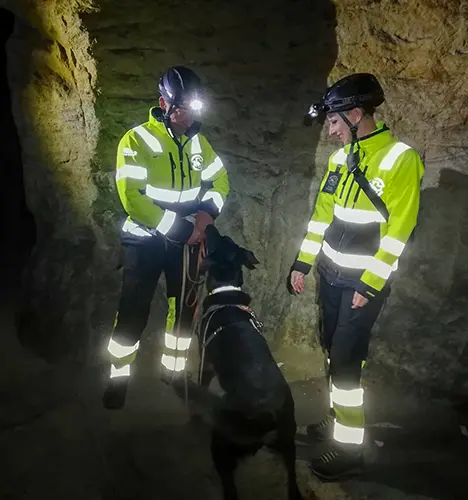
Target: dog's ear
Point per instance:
(206, 264)
(248, 258)
(213, 239)
(228, 249)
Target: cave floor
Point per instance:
(57, 443)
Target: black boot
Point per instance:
(338, 463)
(323, 431)
(115, 393)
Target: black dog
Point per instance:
(257, 407)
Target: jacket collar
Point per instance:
(374, 141)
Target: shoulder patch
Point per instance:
(332, 182)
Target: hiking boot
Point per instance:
(337, 464)
(323, 431)
(115, 393)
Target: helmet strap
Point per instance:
(168, 112)
(352, 160)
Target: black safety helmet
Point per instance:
(353, 91)
(181, 87)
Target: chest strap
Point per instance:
(212, 310)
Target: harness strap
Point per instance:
(214, 309)
(210, 312)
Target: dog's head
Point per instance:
(224, 260)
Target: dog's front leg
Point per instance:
(286, 447)
(225, 461)
(290, 462)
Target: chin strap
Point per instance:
(352, 160)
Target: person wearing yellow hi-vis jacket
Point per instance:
(172, 185)
(364, 215)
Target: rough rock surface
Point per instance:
(88, 72)
(419, 51)
(52, 77)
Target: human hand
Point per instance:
(359, 301)
(297, 281)
(195, 237)
(203, 219)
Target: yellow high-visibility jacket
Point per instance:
(356, 246)
(160, 181)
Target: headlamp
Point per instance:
(196, 104)
(315, 110)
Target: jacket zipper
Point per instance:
(173, 167)
(349, 192)
(344, 184)
(189, 169)
(337, 272)
(181, 166)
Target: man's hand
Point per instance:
(359, 301)
(297, 281)
(195, 237)
(203, 219)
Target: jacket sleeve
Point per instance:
(321, 219)
(131, 178)
(214, 177)
(403, 207)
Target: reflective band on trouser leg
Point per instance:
(175, 347)
(349, 415)
(121, 357)
(120, 372)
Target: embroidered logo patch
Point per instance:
(332, 182)
(377, 185)
(197, 162)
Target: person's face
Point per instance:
(181, 117)
(339, 129)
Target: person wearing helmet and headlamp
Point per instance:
(364, 215)
(172, 185)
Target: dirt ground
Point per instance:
(57, 442)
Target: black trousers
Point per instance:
(346, 332)
(144, 261)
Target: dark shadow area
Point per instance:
(422, 462)
(421, 335)
(17, 229)
(413, 444)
